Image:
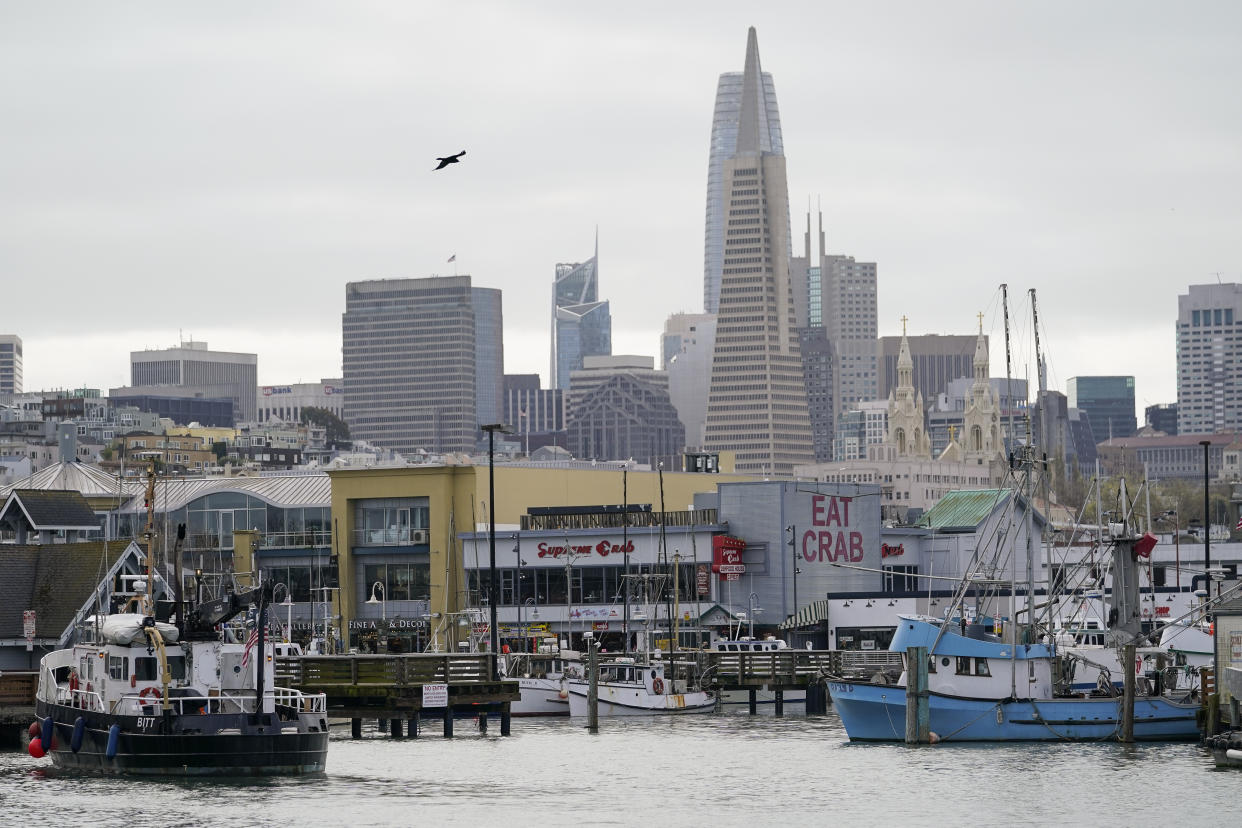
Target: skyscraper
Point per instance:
(1108, 403)
(489, 350)
(1209, 359)
(581, 324)
(409, 359)
(726, 119)
(619, 409)
(192, 367)
(756, 403)
(10, 364)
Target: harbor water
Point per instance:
(729, 770)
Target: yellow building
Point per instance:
(395, 531)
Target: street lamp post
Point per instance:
(793, 547)
(383, 602)
(492, 595)
(517, 550)
(1207, 519)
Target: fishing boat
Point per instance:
(986, 685)
(627, 687)
(139, 694)
(542, 679)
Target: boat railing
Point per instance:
(82, 699)
(217, 701)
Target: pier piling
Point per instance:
(355, 728)
(753, 701)
(448, 722)
(593, 686)
(918, 715)
(395, 728)
(483, 722)
(1128, 660)
(412, 726)
(780, 703)
(505, 720)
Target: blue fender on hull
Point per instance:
(45, 735)
(79, 730)
(114, 738)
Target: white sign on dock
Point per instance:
(435, 695)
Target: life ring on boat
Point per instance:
(151, 692)
(657, 685)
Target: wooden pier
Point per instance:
(17, 704)
(781, 671)
(401, 689)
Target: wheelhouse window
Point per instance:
(147, 668)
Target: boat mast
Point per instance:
(1008, 369)
(625, 551)
(149, 537)
(1046, 534)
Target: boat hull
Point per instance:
(238, 748)
(877, 713)
(625, 701)
(541, 697)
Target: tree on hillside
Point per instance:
(338, 429)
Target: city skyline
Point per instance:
(1078, 151)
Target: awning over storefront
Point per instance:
(813, 613)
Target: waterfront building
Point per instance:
(731, 90)
(284, 403)
(756, 402)
(10, 364)
(424, 526)
(687, 345)
(1108, 403)
(619, 409)
(581, 323)
(1209, 359)
(938, 360)
(410, 348)
(191, 365)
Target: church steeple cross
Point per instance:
(903, 324)
(980, 321)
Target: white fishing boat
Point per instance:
(542, 678)
(629, 688)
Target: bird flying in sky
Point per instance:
(452, 159)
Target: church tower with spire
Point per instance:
(982, 441)
(757, 405)
(907, 430)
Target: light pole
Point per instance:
(492, 596)
(1207, 519)
(751, 609)
(793, 548)
(288, 605)
(517, 550)
(383, 633)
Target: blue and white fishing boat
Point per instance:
(971, 698)
(1000, 682)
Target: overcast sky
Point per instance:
(221, 170)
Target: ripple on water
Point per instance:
(718, 770)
